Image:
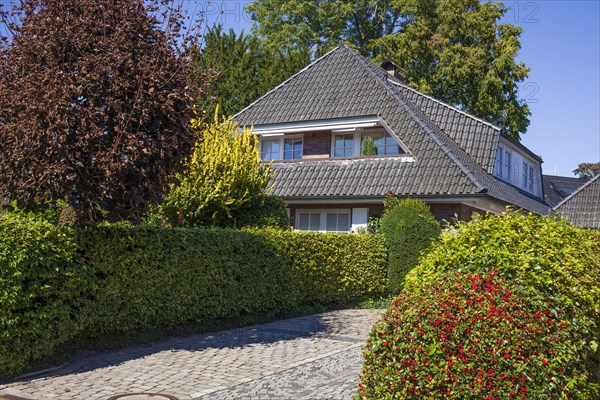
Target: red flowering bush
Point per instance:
(472, 336)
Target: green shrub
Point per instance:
(548, 255)
(42, 287)
(266, 212)
(472, 336)
(408, 228)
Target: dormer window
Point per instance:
(281, 148)
(343, 145)
(350, 144)
(384, 142)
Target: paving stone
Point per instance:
(311, 357)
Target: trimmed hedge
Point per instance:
(408, 228)
(117, 281)
(42, 287)
(472, 336)
(549, 256)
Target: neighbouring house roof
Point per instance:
(557, 188)
(582, 207)
(342, 84)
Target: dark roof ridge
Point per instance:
(286, 81)
(491, 125)
(577, 191)
(425, 123)
(396, 82)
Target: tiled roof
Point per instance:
(557, 188)
(343, 84)
(582, 208)
(477, 137)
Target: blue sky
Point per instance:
(561, 44)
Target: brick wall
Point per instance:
(317, 143)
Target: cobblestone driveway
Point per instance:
(313, 357)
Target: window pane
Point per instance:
(508, 165)
(385, 143)
(343, 222)
(315, 221)
(498, 164)
(331, 222)
(343, 145)
(531, 178)
(303, 221)
(269, 149)
(292, 149)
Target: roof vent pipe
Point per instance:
(392, 69)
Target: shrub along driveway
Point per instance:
(311, 357)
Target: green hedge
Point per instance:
(408, 228)
(42, 287)
(118, 281)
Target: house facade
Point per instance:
(343, 132)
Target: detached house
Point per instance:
(313, 127)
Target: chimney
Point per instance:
(392, 69)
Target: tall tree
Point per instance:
(318, 25)
(454, 50)
(587, 170)
(246, 69)
(94, 104)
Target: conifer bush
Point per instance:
(472, 336)
(408, 228)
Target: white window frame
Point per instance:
(323, 218)
(281, 140)
(333, 148)
(357, 135)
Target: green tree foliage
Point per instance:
(246, 69)
(369, 148)
(587, 170)
(223, 178)
(408, 228)
(319, 25)
(94, 104)
(454, 50)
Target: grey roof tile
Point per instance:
(453, 151)
(582, 208)
(557, 188)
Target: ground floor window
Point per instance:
(323, 220)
